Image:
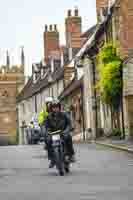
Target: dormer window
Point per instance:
(52, 65)
(42, 72)
(42, 68)
(62, 59)
(103, 13)
(34, 77)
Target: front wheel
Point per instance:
(59, 161)
(61, 173)
(67, 168)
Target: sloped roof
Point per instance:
(31, 88)
(89, 32)
(26, 91)
(71, 87)
(99, 29)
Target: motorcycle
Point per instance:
(35, 136)
(60, 154)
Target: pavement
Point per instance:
(124, 145)
(100, 173)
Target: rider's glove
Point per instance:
(65, 135)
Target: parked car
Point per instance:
(33, 135)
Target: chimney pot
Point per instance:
(69, 13)
(46, 28)
(55, 27)
(76, 12)
(50, 27)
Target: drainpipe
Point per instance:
(35, 104)
(94, 100)
(122, 109)
(84, 137)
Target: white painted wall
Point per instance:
(39, 102)
(60, 87)
(88, 95)
(26, 108)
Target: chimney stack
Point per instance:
(73, 27)
(51, 41)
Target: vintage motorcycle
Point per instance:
(60, 154)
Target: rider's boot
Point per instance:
(72, 158)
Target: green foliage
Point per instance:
(109, 69)
(116, 133)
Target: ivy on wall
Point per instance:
(110, 81)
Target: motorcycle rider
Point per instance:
(35, 126)
(58, 120)
(43, 114)
(45, 110)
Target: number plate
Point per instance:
(55, 137)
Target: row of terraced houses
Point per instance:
(69, 72)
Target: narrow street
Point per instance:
(99, 173)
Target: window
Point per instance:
(23, 108)
(4, 94)
(34, 78)
(42, 72)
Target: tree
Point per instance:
(110, 81)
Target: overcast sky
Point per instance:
(22, 24)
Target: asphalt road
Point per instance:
(99, 173)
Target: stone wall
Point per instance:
(8, 115)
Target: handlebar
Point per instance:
(55, 132)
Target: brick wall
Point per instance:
(100, 4)
(126, 27)
(51, 40)
(73, 26)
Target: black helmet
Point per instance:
(56, 103)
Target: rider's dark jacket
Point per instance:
(58, 121)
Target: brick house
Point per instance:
(114, 19)
(122, 30)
